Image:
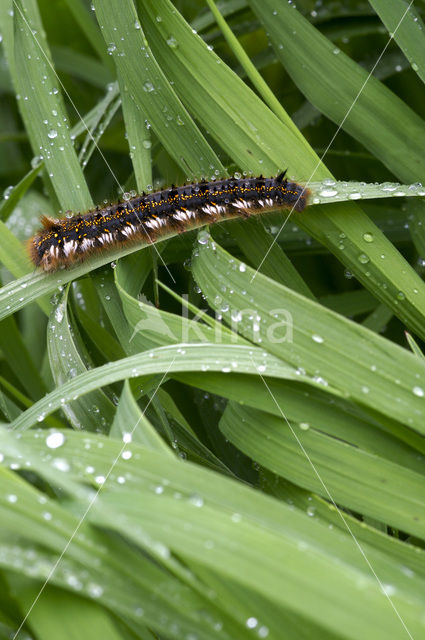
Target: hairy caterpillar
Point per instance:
(142, 219)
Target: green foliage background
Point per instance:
(198, 475)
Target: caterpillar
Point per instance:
(62, 242)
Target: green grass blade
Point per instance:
(13, 255)
(95, 411)
(198, 357)
(402, 19)
(73, 617)
(379, 119)
(247, 130)
(19, 359)
(354, 479)
(19, 190)
(43, 109)
(256, 243)
(130, 420)
(229, 525)
(82, 66)
(152, 92)
(325, 345)
(88, 26)
(250, 70)
(95, 566)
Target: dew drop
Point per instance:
(203, 238)
(74, 582)
(95, 590)
(7, 192)
(389, 589)
(251, 623)
(328, 193)
(236, 316)
(196, 500)
(148, 86)
(55, 440)
(418, 391)
(388, 186)
(61, 465)
(36, 160)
